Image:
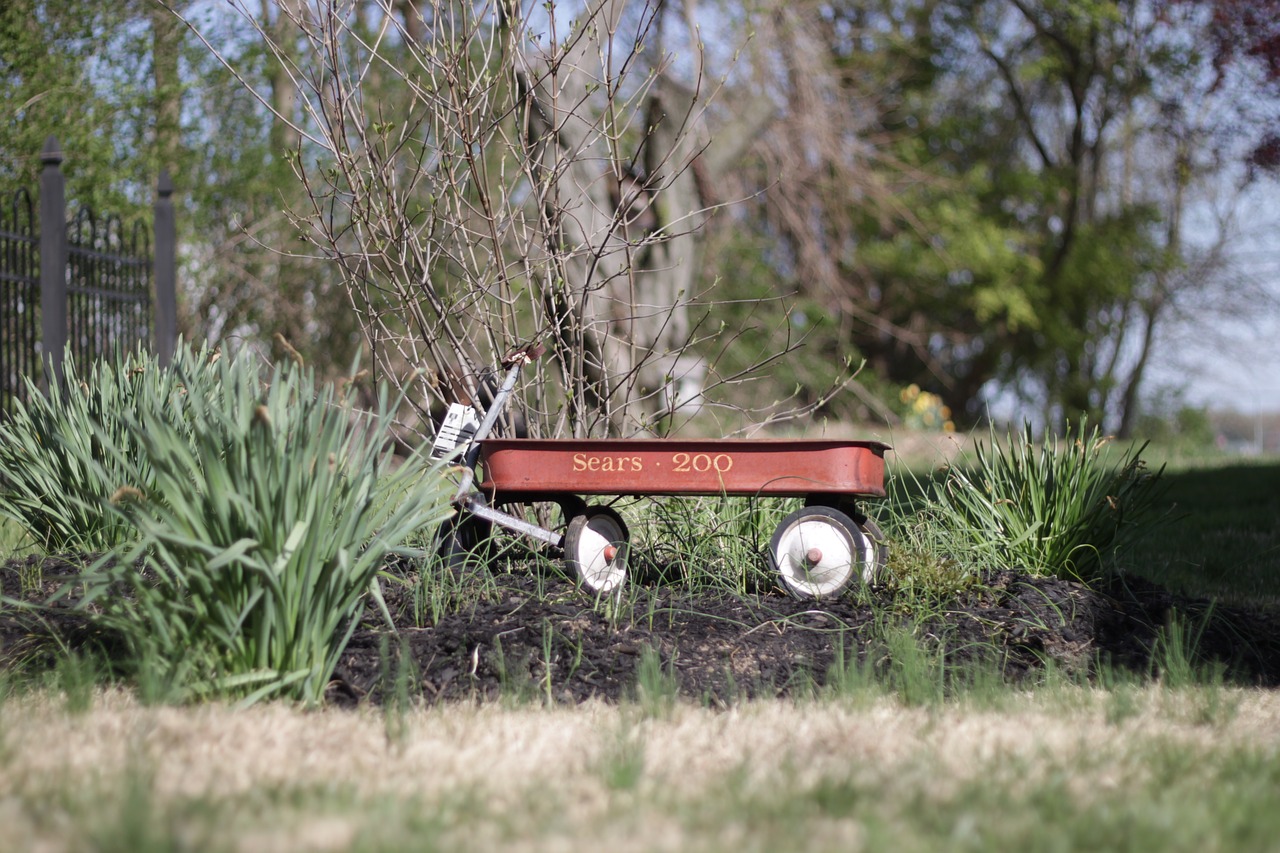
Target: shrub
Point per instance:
(1058, 508)
(270, 510)
(923, 410)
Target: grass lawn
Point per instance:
(1220, 536)
(1066, 768)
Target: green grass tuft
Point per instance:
(1062, 508)
(269, 510)
(65, 454)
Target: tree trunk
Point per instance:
(282, 27)
(624, 241)
(166, 30)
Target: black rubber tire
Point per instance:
(458, 543)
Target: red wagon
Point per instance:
(817, 550)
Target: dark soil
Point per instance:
(534, 635)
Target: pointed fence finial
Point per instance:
(52, 153)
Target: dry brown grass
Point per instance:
(563, 778)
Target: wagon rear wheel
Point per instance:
(458, 543)
(818, 551)
(595, 549)
(850, 507)
(880, 545)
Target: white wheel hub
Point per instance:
(818, 551)
(595, 550)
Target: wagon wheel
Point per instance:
(880, 543)
(595, 549)
(458, 542)
(817, 551)
(869, 528)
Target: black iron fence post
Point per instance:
(102, 290)
(53, 262)
(166, 268)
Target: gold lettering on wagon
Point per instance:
(701, 463)
(682, 463)
(607, 464)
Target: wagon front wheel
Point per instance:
(818, 551)
(595, 549)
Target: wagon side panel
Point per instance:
(674, 467)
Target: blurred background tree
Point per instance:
(986, 199)
(127, 90)
(1010, 214)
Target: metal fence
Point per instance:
(81, 285)
(19, 296)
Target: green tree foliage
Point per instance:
(1069, 74)
(1015, 216)
(58, 76)
(1026, 247)
(965, 193)
(127, 89)
(250, 276)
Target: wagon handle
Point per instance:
(524, 355)
(513, 361)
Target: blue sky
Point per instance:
(1236, 363)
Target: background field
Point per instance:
(1222, 533)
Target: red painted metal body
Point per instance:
(775, 467)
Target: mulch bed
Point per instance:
(530, 634)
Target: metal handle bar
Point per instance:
(513, 361)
